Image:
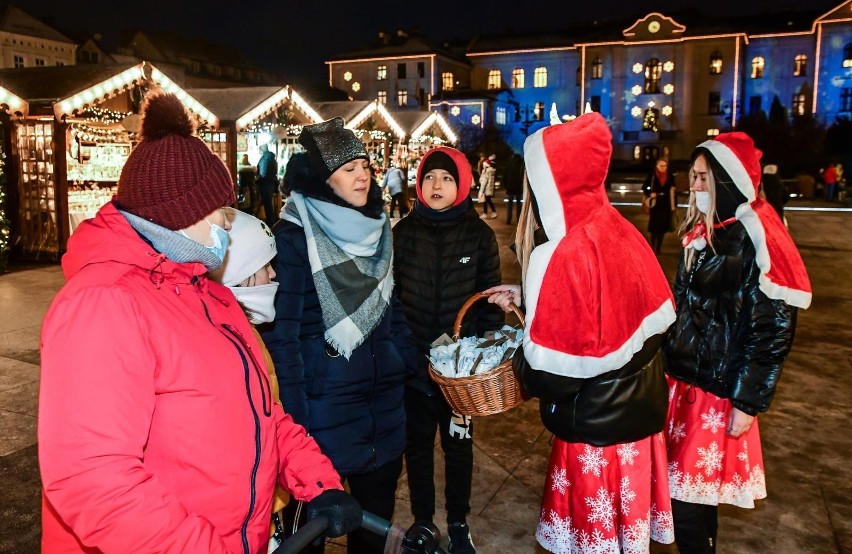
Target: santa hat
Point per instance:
(594, 291)
(251, 247)
(452, 161)
(782, 272)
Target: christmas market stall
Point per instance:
(67, 153)
(11, 106)
(374, 125)
(425, 130)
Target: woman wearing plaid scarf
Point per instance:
(341, 347)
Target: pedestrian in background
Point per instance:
(739, 283)
(157, 431)
(775, 190)
(341, 347)
(267, 183)
(597, 308)
(444, 244)
(395, 183)
(513, 182)
(487, 182)
(659, 189)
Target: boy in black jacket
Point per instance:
(443, 254)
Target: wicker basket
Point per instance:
(484, 394)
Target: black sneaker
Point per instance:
(460, 541)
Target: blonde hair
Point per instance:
(694, 215)
(525, 233)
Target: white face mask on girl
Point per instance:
(258, 301)
(702, 201)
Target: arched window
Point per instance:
(757, 68)
(800, 66)
(540, 77)
(653, 72)
(517, 78)
(847, 55)
(597, 69)
(447, 80)
(494, 79)
(716, 63)
(798, 104)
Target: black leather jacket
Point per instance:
(623, 405)
(729, 338)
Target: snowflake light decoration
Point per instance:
(667, 110)
(356, 86)
(476, 120)
(637, 67)
(347, 76)
(668, 89)
(668, 67)
(636, 90)
(455, 110)
(636, 111)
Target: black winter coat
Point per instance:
(353, 408)
(729, 338)
(438, 265)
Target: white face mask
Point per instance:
(702, 201)
(258, 301)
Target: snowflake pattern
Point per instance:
(713, 420)
(662, 525)
(557, 534)
(711, 459)
(738, 492)
(627, 495)
(636, 538)
(559, 480)
(601, 508)
(592, 460)
(677, 431)
(743, 456)
(626, 452)
(672, 390)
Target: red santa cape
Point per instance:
(782, 272)
(595, 291)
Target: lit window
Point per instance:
(356, 86)
(847, 55)
(538, 111)
(517, 78)
(757, 65)
(597, 69)
(382, 73)
(347, 76)
(716, 63)
(383, 97)
(540, 77)
(447, 80)
(798, 104)
(402, 98)
(637, 152)
(494, 79)
(653, 72)
(501, 116)
(800, 66)
(712, 132)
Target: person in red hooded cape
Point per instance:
(597, 306)
(739, 283)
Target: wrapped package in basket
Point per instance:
(474, 355)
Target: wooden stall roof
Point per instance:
(346, 110)
(230, 104)
(44, 86)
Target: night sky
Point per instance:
(294, 38)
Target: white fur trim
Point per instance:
(757, 234)
(569, 365)
(733, 166)
(544, 186)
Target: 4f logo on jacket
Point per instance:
(465, 259)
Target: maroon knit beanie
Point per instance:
(172, 178)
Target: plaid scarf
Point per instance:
(350, 257)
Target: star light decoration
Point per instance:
(667, 110)
(475, 119)
(668, 89)
(455, 110)
(347, 76)
(638, 67)
(636, 90)
(356, 86)
(636, 111)
(668, 67)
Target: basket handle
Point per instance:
(470, 302)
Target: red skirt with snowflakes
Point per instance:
(608, 499)
(706, 464)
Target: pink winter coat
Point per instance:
(157, 431)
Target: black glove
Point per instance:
(341, 509)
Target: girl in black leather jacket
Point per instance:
(597, 305)
(738, 284)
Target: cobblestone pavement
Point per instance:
(807, 445)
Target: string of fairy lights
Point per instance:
(5, 224)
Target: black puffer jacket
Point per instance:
(438, 265)
(729, 339)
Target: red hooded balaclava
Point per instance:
(782, 272)
(446, 157)
(594, 291)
